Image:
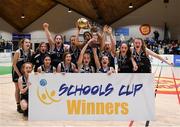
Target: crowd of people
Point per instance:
(164, 47)
(5, 46)
(94, 55)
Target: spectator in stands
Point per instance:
(166, 50)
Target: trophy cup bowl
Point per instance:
(82, 23)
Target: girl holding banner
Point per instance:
(46, 67)
(23, 83)
(66, 65)
(102, 65)
(85, 59)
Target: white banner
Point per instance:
(91, 97)
(155, 61)
(5, 57)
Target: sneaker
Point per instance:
(19, 109)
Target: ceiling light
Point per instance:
(130, 5)
(69, 11)
(22, 16)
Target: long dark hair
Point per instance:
(65, 54)
(47, 55)
(128, 53)
(39, 46)
(87, 33)
(143, 45)
(23, 66)
(59, 35)
(100, 59)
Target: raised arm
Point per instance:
(149, 52)
(101, 41)
(48, 34)
(113, 43)
(96, 59)
(80, 59)
(104, 35)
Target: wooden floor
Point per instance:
(167, 108)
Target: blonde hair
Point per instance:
(23, 66)
(22, 42)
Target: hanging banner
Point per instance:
(177, 60)
(124, 31)
(145, 29)
(91, 97)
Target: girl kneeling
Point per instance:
(23, 83)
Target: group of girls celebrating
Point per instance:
(94, 54)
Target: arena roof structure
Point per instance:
(100, 11)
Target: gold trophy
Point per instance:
(83, 23)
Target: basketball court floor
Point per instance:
(167, 104)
